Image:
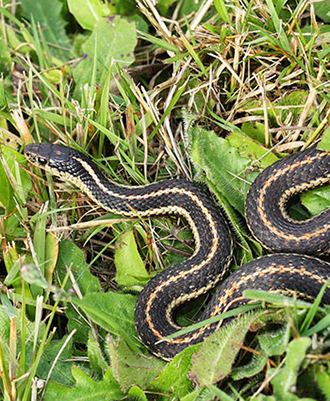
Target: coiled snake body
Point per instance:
(267, 218)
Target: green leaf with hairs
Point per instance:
(221, 348)
(130, 368)
(227, 162)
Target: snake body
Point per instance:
(284, 273)
(266, 204)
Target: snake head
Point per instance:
(51, 157)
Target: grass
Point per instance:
(236, 86)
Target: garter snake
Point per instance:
(267, 217)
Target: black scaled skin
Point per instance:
(273, 228)
(284, 273)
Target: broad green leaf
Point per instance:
(322, 10)
(286, 378)
(12, 260)
(14, 42)
(316, 200)
(251, 150)
(126, 7)
(88, 12)
(33, 275)
(136, 394)
(173, 379)
(71, 257)
(325, 140)
(289, 104)
(196, 395)
(221, 348)
(47, 13)
(113, 41)
(163, 5)
(114, 312)
(219, 393)
(322, 374)
(61, 372)
(5, 58)
(227, 162)
(86, 388)
(262, 397)
(95, 356)
(130, 270)
(255, 131)
(12, 228)
(189, 6)
(130, 368)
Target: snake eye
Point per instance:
(42, 160)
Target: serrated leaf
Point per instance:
(86, 388)
(226, 162)
(216, 357)
(133, 369)
(274, 342)
(255, 366)
(271, 343)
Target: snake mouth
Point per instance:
(47, 154)
(36, 160)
